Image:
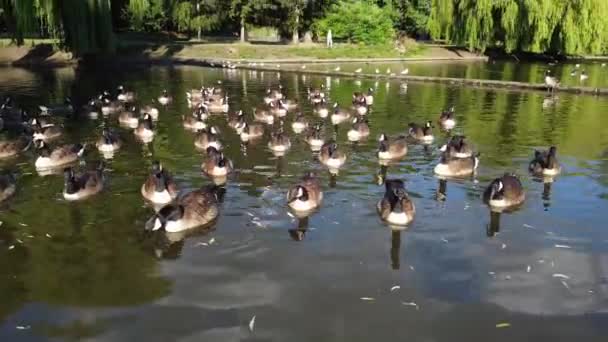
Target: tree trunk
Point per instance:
(243, 38)
(296, 35)
(199, 33)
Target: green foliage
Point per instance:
(566, 27)
(411, 16)
(146, 15)
(358, 22)
(199, 15)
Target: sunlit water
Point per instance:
(88, 271)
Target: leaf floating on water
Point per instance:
(492, 273)
(290, 215)
(252, 323)
(503, 246)
(528, 269)
(11, 247)
(412, 268)
(444, 240)
(565, 285)
(528, 226)
(1, 223)
(563, 246)
(560, 275)
(211, 241)
(22, 224)
(503, 325)
(48, 235)
(202, 244)
(22, 327)
(369, 299)
(396, 287)
(411, 304)
(20, 241)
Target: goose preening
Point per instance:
(396, 207)
(545, 163)
(195, 209)
(457, 147)
(159, 187)
(504, 192)
(306, 195)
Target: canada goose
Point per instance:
(573, 73)
(11, 148)
(196, 121)
(159, 187)
(218, 106)
(314, 137)
(331, 156)
(321, 109)
(93, 107)
(422, 134)
(358, 71)
(47, 133)
(41, 121)
(504, 192)
(249, 131)
(583, 76)
(108, 142)
(337, 68)
(396, 207)
(450, 166)
(316, 95)
(289, 105)
(65, 108)
(164, 99)
(7, 186)
(145, 129)
(360, 108)
(124, 96)
(306, 195)
(108, 106)
(299, 124)
(550, 82)
(236, 119)
(195, 209)
(545, 163)
(59, 156)
(392, 148)
(273, 95)
(80, 186)
(208, 137)
(279, 142)
(277, 108)
(405, 71)
(577, 65)
(369, 98)
(457, 147)
(359, 130)
(263, 114)
(153, 111)
(128, 118)
(447, 119)
(339, 115)
(216, 164)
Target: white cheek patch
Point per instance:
(157, 224)
(300, 193)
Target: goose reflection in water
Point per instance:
(298, 234)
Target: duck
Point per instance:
(128, 118)
(331, 156)
(359, 130)
(81, 186)
(457, 147)
(108, 142)
(11, 148)
(395, 148)
(208, 137)
(249, 132)
(545, 163)
(583, 76)
(59, 156)
(299, 124)
(8, 186)
(339, 115)
(152, 110)
(263, 114)
(196, 121)
(306, 195)
(47, 133)
(369, 98)
(396, 207)
(195, 209)
(159, 187)
(123, 95)
(145, 129)
(279, 142)
(321, 109)
(550, 81)
(315, 138)
(504, 192)
(65, 108)
(447, 119)
(450, 166)
(423, 133)
(216, 164)
(164, 98)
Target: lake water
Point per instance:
(88, 271)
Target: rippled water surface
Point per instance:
(87, 271)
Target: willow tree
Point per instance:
(198, 15)
(83, 26)
(538, 26)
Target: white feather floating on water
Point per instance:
(369, 299)
(560, 275)
(211, 241)
(252, 323)
(528, 269)
(563, 246)
(411, 304)
(565, 285)
(396, 287)
(444, 240)
(504, 245)
(22, 327)
(528, 226)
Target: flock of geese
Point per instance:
(175, 213)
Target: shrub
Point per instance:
(357, 22)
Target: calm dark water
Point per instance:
(87, 271)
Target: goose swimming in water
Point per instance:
(396, 207)
(545, 163)
(504, 192)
